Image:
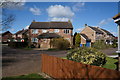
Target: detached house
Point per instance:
(90, 34)
(6, 36)
(42, 32)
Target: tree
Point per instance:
(77, 40)
(7, 18)
(74, 38)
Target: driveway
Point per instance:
(20, 62)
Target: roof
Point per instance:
(96, 29)
(6, 33)
(108, 33)
(21, 32)
(51, 25)
(116, 16)
(49, 35)
(86, 37)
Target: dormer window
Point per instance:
(34, 31)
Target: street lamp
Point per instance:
(117, 21)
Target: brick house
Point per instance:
(6, 36)
(20, 35)
(91, 34)
(42, 32)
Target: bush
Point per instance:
(100, 44)
(87, 55)
(18, 44)
(60, 43)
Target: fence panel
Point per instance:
(62, 68)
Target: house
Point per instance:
(91, 34)
(42, 32)
(6, 36)
(20, 35)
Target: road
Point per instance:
(20, 62)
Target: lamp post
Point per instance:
(117, 21)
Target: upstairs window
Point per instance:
(56, 30)
(66, 31)
(34, 31)
(44, 31)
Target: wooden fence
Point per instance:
(62, 68)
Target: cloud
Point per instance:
(12, 29)
(26, 27)
(35, 10)
(59, 12)
(80, 29)
(78, 6)
(59, 19)
(104, 21)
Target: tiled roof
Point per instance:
(116, 16)
(85, 36)
(51, 25)
(6, 33)
(49, 35)
(107, 32)
(21, 32)
(96, 29)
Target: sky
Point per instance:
(98, 14)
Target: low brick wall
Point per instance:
(62, 68)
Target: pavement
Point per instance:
(19, 62)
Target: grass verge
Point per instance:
(25, 77)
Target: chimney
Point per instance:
(33, 20)
(86, 25)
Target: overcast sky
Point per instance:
(92, 13)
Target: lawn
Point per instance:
(110, 64)
(25, 77)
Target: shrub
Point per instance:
(18, 44)
(100, 44)
(60, 43)
(87, 55)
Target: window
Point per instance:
(66, 31)
(44, 31)
(56, 30)
(34, 40)
(34, 31)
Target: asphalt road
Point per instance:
(20, 62)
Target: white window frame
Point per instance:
(34, 39)
(56, 30)
(34, 31)
(44, 31)
(67, 31)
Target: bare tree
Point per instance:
(6, 19)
